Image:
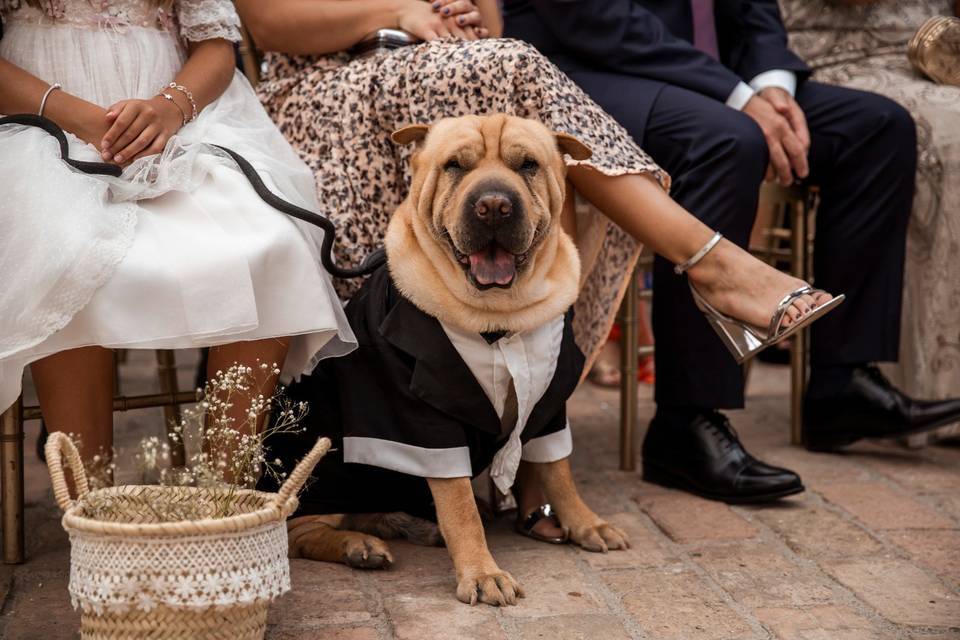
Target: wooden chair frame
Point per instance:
(12, 436)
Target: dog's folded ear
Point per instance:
(569, 145)
(410, 133)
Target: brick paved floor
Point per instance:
(871, 550)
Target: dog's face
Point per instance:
(489, 191)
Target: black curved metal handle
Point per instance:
(51, 127)
(373, 262)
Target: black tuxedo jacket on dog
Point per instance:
(406, 402)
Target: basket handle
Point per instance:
(58, 445)
(300, 474)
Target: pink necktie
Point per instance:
(704, 27)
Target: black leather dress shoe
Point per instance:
(699, 452)
(870, 407)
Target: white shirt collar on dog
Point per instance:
(528, 359)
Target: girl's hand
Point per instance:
(139, 128)
(419, 19)
(88, 122)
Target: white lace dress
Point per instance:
(178, 252)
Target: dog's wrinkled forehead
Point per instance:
(500, 138)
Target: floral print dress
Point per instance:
(339, 113)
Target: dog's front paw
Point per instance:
(601, 537)
(497, 588)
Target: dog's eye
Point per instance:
(529, 165)
(452, 165)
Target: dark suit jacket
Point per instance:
(405, 383)
(652, 40)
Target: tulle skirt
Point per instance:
(179, 251)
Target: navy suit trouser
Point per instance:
(862, 156)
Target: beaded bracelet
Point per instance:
(183, 116)
(182, 89)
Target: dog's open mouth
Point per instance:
(492, 266)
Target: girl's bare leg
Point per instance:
(75, 388)
(731, 279)
(269, 351)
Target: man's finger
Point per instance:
(798, 122)
(786, 106)
(797, 153)
(780, 163)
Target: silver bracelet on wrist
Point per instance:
(182, 89)
(43, 101)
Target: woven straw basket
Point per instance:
(133, 576)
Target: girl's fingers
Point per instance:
(141, 142)
(442, 31)
(482, 32)
(130, 134)
(127, 114)
(154, 148)
(113, 110)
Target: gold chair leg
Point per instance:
(798, 349)
(167, 372)
(11, 479)
(629, 325)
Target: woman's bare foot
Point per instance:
(530, 497)
(747, 289)
(605, 371)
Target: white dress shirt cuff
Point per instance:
(740, 96)
(786, 80)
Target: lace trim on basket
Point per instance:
(197, 572)
(208, 19)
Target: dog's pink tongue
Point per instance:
(493, 265)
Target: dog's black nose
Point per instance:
(493, 207)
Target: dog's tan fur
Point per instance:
(425, 270)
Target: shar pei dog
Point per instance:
(465, 361)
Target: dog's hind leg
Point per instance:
(394, 525)
(318, 538)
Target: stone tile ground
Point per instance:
(871, 550)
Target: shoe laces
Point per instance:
(719, 425)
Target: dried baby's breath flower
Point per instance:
(227, 455)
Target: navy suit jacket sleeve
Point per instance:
(621, 36)
(762, 42)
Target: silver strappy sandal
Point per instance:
(743, 340)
